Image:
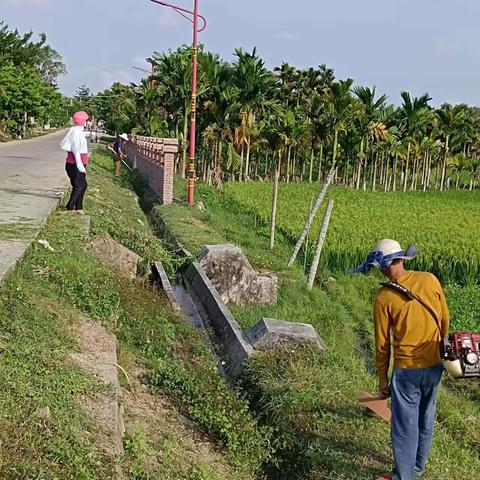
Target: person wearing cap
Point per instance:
(118, 151)
(413, 329)
(75, 144)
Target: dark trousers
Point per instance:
(78, 181)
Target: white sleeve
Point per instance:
(76, 150)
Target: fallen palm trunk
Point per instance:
(311, 216)
(321, 240)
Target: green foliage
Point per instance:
(212, 405)
(28, 72)
(111, 201)
(202, 472)
(35, 376)
(252, 121)
(137, 449)
(21, 50)
(464, 304)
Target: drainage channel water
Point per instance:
(192, 315)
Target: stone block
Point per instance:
(115, 254)
(269, 334)
(236, 281)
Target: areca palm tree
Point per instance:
(318, 116)
(449, 120)
(256, 85)
(340, 111)
(414, 117)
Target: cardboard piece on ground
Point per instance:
(376, 405)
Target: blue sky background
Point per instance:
(415, 45)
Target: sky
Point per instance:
(415, 45)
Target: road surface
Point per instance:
(32, 180)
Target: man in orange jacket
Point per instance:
(413, 328)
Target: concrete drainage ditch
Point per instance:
(204, 307)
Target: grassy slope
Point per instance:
(321, 432)
(48, 292)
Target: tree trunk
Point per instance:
(414, 173)
(311, 215)
(382, 171)
(387, 175)
(274, 208)
(321, 240)
(320, 160)
(394, 186)
(359, 167)
(247, 159)
(405, 178)
(289, 157)
(444, 164)
(347, 168)
(310, 174)
(374, 181)
(294, 163)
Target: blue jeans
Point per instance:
(414, 396)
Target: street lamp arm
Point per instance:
(141, 69)
(183, 11)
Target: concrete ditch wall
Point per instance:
(216, 315)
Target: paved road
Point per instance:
(32, 179)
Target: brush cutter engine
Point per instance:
(461, 354)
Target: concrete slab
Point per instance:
(10, 252)
(32, 183)
(269, 334)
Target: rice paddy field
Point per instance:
(444, 225)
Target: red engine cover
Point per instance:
(465, 344)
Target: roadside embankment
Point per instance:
(177, 410)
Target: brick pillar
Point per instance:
(170, 149)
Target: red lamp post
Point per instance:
(193, 112)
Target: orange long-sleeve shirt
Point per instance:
(407, 326)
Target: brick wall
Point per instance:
(154, 159)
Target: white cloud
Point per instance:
(104, 78)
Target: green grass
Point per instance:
(441, 224)
(39, 303)
(320, 431)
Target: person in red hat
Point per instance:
(75, 144)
